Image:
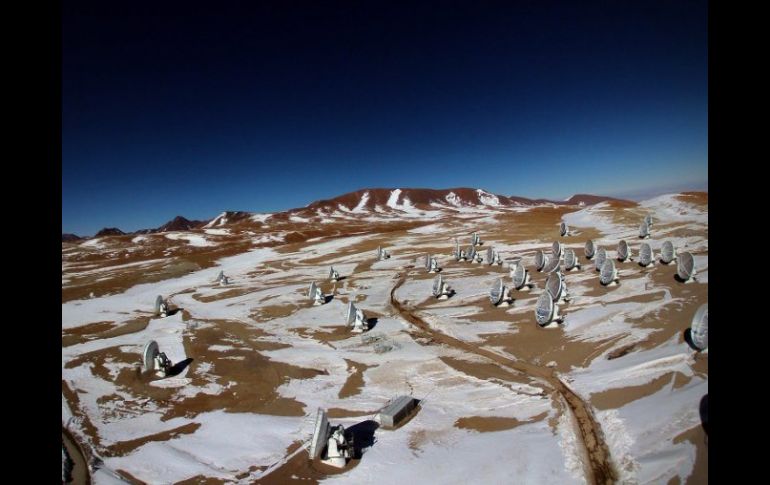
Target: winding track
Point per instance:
(600, 470)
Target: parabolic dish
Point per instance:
(608, 273)
(437, 284)
(589, 249)
(685, 266)
(148, 355)
(519, 276)
(350, 316)
(569, 258)
(623, 250)
(544, 309)
(601, 255)
(552, 265)
(667, 253)
(555, 285)
(320, 434)
(699, 330)
(644, 230)
(556, 249)
(645, 254)
(496, 293)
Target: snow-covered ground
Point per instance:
(545, 445)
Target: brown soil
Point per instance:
(355, 380)
(80, 474)
(601, 468)
(486, 424)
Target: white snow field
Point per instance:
(620, 349)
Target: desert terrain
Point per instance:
(610, 395)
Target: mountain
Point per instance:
(379, 203)
(386, 200)
(587, 199)
(179, 223)
(110, 231)
(70, 238)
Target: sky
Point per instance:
(178, 108)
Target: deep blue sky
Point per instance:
(263, 106)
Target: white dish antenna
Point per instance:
(589, 249)
(557, 249)
(333, 274)
(355, 318)
(499, 294)
(685, 267)
(556, 287)
(645, 255)
(440, 289)
(644, 230)
(155, 360)
(222, 279)
(321, 433)
(601, 255)
(667, 253)
(329, 443)
(149, 354)
(540, 260)
(434, 267)
(475, 239)
(608, 275)
(553, 264)
(161, 306)
(472, 255)
(493, 257)
(459, 254)
(520, 278)
(699, 329)
(648, 220)
(382, 254)
(570, 260)
(546, 311)
(314, 292)
(623, 253)
(563, 229)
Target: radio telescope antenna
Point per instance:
(685, 267)
(601, 255)
(546, 311)
(155, 360)
(644, 230)
(623, 253)
(557, 250)
(441, 289)
(355, 318)
(557, 288)
(314, 293)
(645, 255)
(667, 253)
(540, 260)
(699, 329)
(499, 294)
(570, 260)
(161, 307)
(333, 274)
(520, 277)
(608, 275)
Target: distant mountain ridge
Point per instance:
(381, 201)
